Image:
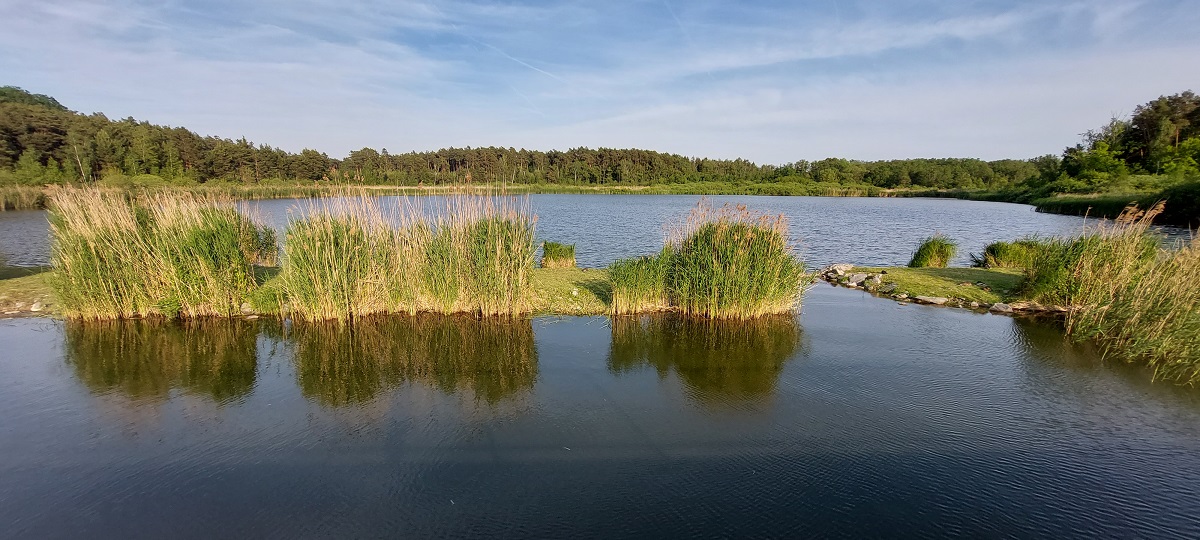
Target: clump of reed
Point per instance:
(556, 255)
(1018, 254)
(22, 198)
(348, 259)
(639, 284)
(116, 256)
(726, 263)
(934, 252)
(1136, 298)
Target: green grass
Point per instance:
(1018, 254)
(727, 263)
(999, 284)
(639, 284)
(350, 259)
(1134, 298)
(556, 255)
(119, 257)
(21, 288)
(570, 291)
(935, 252)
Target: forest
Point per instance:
(44, 142)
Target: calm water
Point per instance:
(607, 227)
(860, 417)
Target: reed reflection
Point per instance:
(489, 359)
(146, 359)
(717, 361)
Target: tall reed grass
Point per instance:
(726, 263)
(556, 255)
(22, 198)
(1018, 254)
(349, 258)
(178, 255)
(934, 252)
(1133, 297)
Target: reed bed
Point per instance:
(1138, 300)
(726, 263)
(1019, 254)
(178, 255)
(22, 198)
(934, 252)
(349, 258)
(556, 255)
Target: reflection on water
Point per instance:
(718, 361)
(146, 359)
(339, 365)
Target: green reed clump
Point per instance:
(173, 255)
(639, 284)
(734, 265)
(728, 264)
(1017, 254)
(22, 198)
(1136, 299)
(556, 255)
(349, 259)
(935, 252)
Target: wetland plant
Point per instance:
(556, 255)
(176, 255)
(935, 252)
(348, 259)
(1016, 254)
(726, 263)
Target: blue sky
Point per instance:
(769, 81)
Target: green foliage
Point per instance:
(1019, 254)
(556, 255)
(348, 259)
(726, 264)
(174, 256)
(935, 252)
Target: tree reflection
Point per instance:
(340, 365)
(145, 359)
(717, 361)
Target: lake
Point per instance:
(858, 417)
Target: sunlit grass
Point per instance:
(934, 252)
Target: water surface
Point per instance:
(860, 417)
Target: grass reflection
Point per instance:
(146, 359)
(718, 361)
(339, 365)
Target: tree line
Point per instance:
(42, 141)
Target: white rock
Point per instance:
(1000, 307)
(934, 300)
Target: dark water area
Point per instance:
(859, 417)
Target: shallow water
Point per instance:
(859, 417)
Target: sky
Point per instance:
(769, 81)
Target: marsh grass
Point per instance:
(348, 258)
(556, 255)
(639, 284)
(1019, 254)
(726, 263)
(22, 198)
(1138, 300)
(934, 252)
(180, 255)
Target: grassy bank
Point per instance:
(726, 263)
(1182, 204)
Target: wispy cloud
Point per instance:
(773, 81)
